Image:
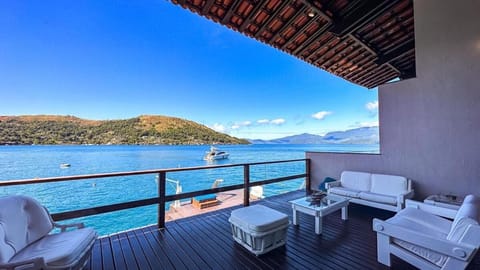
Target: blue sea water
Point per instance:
(27, 162)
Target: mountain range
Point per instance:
(144, 129)
(363, 135)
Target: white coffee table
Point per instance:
(328, 205)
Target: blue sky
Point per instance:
(121, 59)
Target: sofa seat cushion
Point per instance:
(356, 180)
(423, 228)
(468, 214)
(388, 184)
(258, 218)
(376, 197)
(344, 192)
(60, 249)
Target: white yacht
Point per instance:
(215, 154)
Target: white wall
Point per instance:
(430, 125)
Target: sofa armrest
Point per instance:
(64, 227)
(333, 184)
(459, 251)
(35, 263)
(405, 195)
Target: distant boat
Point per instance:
(65, 165)
(215, 154)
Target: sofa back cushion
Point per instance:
(389, 184)
(22, 221)
(468, 214)
(356, 180)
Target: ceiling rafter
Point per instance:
(366, 12)
(300, 31)
(207, 6)
(259, 6)
(288, 24)
(396, 52)
(272, 17)
(230, 12)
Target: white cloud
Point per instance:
(277, 121)
(372, 106)
(218, 127)
(235, 126)
(246, 123)
(263, 121)
(321, 115)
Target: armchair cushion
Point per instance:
(389, 184)
(427, 226)
(356, 180)
(60, 249)
(22, 221)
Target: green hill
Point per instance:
(145, 129)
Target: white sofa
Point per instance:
(419, 236)
(376, 190)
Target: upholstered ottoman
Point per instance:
(259, 228)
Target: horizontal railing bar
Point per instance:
(145, 202)
(103, 209)
(130, 173)
(276, 180)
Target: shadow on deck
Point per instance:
(205, 242)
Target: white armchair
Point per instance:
(428, 241)
(25, 242)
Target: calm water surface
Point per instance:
(26, 162)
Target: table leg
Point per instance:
(295, 217)
(345, 212)
(318, 225)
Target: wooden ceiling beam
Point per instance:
(260, 5)
(207, 6)
(288, 23)
(312, 54)
(299, 32)
(363, 14)
(396, 52)
(271, 17)
(327, 64)
(230, 12)
(322, 60)
(312, 39)
(321, 12)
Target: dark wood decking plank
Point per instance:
(180, 249)
(194, 242)
(118, 258)
(152, 257)
(140, 257)
(229, 245)
(127, 251)
(203, 245)
(96, 258)
(158, 249)
(192, 253)
(170, 247)
(107, 257)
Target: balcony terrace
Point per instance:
(205, 242)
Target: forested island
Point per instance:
(144, 129)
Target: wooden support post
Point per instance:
(246, 185)
(308, 184)
(162, 177)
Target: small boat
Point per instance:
(215, 154)
(65, 165)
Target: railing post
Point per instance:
(246, 185)
(308, 184)
(162, 177)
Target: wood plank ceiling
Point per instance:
(367, 42)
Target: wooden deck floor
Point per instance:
(205, 242)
